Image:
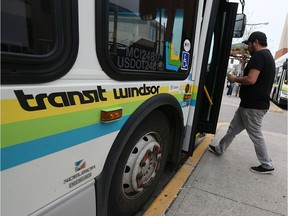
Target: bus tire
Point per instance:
(140, 165)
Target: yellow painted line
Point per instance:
(166, 197)
(199, 151)
(169, 193)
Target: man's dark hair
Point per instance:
(263, 43)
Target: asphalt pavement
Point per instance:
(224, 186)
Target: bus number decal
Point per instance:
(140, 59)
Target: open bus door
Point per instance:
(213, 70)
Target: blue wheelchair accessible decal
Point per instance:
(185, 60)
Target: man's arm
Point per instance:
(250, 79)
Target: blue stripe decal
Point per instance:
(192, 102)
(28, 151)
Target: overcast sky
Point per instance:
(266, 11)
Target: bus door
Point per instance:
(213, 70)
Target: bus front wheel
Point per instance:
(140, 165)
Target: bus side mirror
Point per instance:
(239, 26)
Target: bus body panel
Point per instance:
(202, 28)
(57, 158)
(80, 201)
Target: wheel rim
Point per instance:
(142, 165)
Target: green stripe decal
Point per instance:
(28, 140)
(28, 151)
(42, 127)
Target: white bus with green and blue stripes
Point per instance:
(100, 98)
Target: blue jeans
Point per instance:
(251, 120)
(230, 89)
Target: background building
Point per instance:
(283, 46)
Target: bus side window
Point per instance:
(148, 39)
(36, 40)
(27, 35)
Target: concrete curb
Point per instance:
(275, 108)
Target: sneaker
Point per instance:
(261, 169)
(213, 150)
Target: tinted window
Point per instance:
(39, 40)
(22, 26)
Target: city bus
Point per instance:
(100, 98)
(279, 92)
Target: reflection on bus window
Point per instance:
(33, 29)
(210, 54)
(147, 37)
(177, 32)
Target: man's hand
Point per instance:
(231, 78)
(250, 79)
